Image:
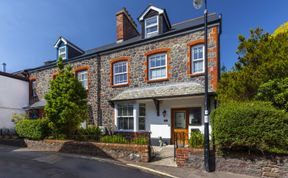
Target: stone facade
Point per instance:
(178, 67)
(43, 78)
(101, 91)
(260, 166)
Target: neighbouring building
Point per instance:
(14, 96)
(152, 80)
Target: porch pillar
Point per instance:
(135, 116)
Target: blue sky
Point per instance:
(29, 29)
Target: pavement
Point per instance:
(22, 162)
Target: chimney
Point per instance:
(4, 67)
(126, 27)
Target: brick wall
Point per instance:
(125, 27)
(260, 166)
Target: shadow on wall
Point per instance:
(10, 141)
(83, 148)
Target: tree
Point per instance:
(66, 100)
(261, 58)
(275, 91)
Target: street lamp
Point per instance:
(198, 4)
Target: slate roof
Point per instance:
(38, 105)
(5, 74)
(165, 91)
(138, 40)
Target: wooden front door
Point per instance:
(179, 125)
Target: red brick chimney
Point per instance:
(126, 27)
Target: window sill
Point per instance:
(196, 74)
(120, 85)
(158, 80)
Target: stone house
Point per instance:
(151, 80)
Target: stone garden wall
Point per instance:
(130, 152)
(260, 166)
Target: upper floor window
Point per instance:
(83, 78)
(33, 88)
(120, 72)
(197, 58)
(151, 26)
(157, 66)
(62, 52)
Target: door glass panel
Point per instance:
(180, 120)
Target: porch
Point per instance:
(164, 111)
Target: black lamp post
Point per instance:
(198, 4)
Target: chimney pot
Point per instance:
(4, 67)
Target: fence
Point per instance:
(139, 138)
(10, 133)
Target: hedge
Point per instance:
(32, 129)
(250, 125)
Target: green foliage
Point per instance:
(282, 29)
(18, 117)
(140, 140)
(260, 58)
(32, 129)
(114, 139)
(66, 104)
(275, 91)
(90, 133)
(250, 125)
(196, 139)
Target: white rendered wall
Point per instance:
(160, 126)
(14, 95)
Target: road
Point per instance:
(23, 163)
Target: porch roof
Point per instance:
(165, 91)
(38, 105)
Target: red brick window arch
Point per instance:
(157, 65)
(196, 58)
(120, 71)
(82, 74)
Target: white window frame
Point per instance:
(62, 53)
(120, 73)
(151, 34)
(80, 79)
(157, 67)
(196, 60)
(127, 116)
(136, 115)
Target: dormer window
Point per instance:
(151, 26)
(62, 52)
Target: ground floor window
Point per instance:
(195, 116)
(125, 116)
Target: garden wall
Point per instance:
(130, 152)
(261, 166)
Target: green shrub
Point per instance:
(250, 125)
(32, 129)
(140, 141)
(114, 139)
(196, 139)
(90, 133)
